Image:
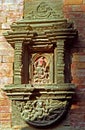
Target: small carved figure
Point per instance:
(38, 111)
(26, 113)
(41, 70)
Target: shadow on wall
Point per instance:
(56, 126)
(30, 128)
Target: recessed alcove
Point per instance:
(34, 53)
(38, 59)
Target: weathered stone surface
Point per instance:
(39, 40)
(78, 17)
(41, 9)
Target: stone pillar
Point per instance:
(60, 61)
(55, 64)
(18, 62)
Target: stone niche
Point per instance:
(42, 89)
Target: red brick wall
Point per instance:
(74, 10)
(10, 11)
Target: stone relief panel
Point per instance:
(41, 112)
(41, 70)
(43, 10)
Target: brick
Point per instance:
(4, 109)
(80, 87)
(5, 52)
(5, 46)
(78, 65)
(78, 81)
(73, 2)
(19, 2)
(83, 8)
(6, 69)
(17, 127)
(8, 1)
(83, 1)
(6, 80)
(75, 58)
(4, 102)
(74, 66)
(3, 95)
(6, 124)
(81, 65)
(8, 59)
(2, 46)
(77, 120)
(78, 73)
(81, 96)
(77, 109)
(12, 7)
(81, 104)
(5, 116)
(79, 57)
(74, 106)
(77, 8)
(67, 8)
(75, 16)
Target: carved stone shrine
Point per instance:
(42, 89)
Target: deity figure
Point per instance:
(41, 70)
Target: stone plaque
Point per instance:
(43, 9)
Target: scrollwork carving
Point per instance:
(41, 110)
(43, 10)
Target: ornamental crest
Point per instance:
(44, 11)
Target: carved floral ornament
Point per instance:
(41, 91)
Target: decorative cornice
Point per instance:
(40, 32)
(23, 92)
